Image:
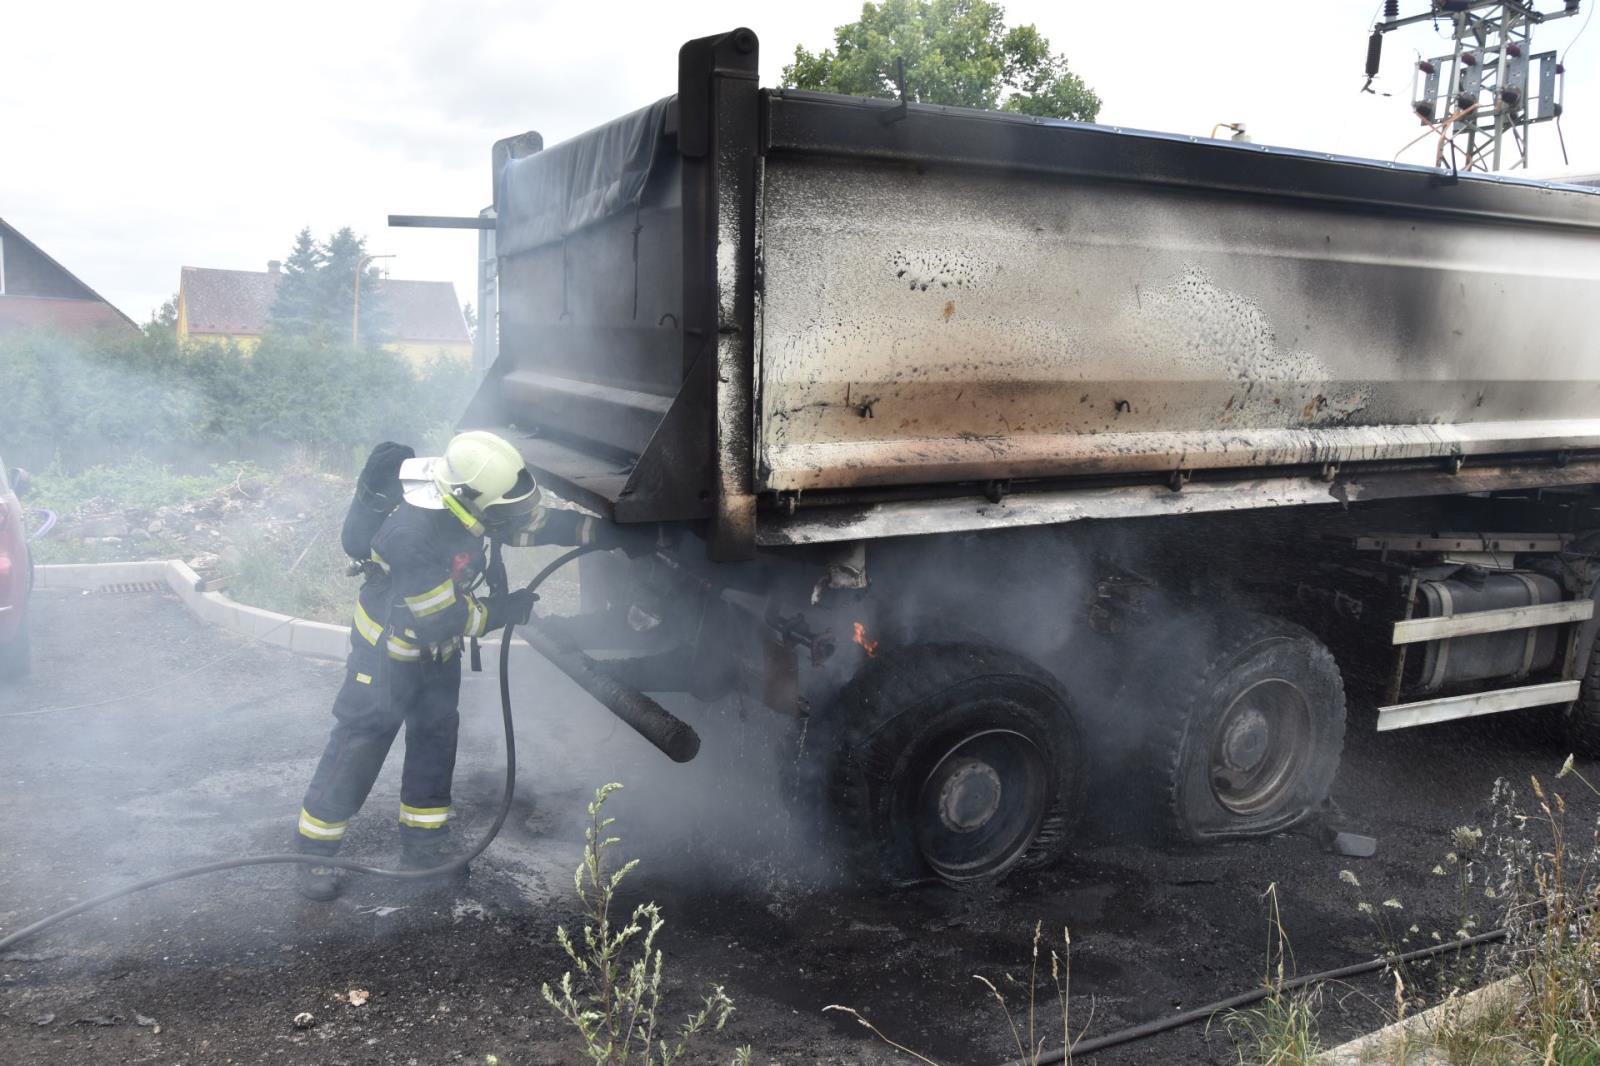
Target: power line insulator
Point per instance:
(1391, 9)
(1374, 53)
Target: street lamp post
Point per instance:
(355, 308)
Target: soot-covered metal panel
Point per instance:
(935, 323)
(591, 342)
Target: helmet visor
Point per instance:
(513, 512)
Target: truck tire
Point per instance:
(1580, 726)
(16, 656)
(1250, 729)
(954, 761)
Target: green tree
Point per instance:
(164, 322)
(957, 52)
(342, 253)
(317, 290)
(299, 310)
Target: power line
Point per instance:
(1586, 20)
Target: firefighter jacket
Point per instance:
(418, 601)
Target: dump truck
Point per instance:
(1008, 460)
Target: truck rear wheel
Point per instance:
(955, 761)
(1580, 725)
(1254, 727)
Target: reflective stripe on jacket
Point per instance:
(417, 601)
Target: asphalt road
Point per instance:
(145, 742)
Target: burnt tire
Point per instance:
(954, 761)
(16, 655)
(1251, 728)
(1580, 725)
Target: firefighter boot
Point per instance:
(317, 883)
(427, 849)
(314, 881)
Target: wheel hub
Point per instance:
(1261, 747)
(981, 803)
(970, 796)
(1244, 744)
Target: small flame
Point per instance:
(869, 646)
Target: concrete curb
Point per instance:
(302, 636)
(1413, 1035)
(320, 640)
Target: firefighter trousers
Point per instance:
(378, 696)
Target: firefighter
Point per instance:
(414, 609)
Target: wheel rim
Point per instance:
(982, 804)
(1260, 747)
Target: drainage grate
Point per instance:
(124, 587)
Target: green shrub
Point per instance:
(116, 391)
(87, 401)
(614, 1003)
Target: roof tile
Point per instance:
(239, 302)
(65, 316)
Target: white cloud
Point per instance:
(139, 138)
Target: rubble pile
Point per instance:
(211, 533)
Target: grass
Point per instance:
(614, 1002)
(1548, 882)
(300, 570)
(302, 576)
(137, 484)
(296, 567)
(1283, 1030)
(1542, 1004)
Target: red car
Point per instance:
(16, 578)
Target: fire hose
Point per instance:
(673, 736)
(46, 525)
(1157, 1026)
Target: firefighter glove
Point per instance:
(514, 608)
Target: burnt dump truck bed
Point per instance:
(801, 318)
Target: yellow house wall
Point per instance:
(420, 353)
(246, 343)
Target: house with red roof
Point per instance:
(423, 319)
(36, 292)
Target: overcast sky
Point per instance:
(138, 138)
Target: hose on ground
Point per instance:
(46, 524)
(458, 863)
(1246, 999)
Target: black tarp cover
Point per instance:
(550, 194)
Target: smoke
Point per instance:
(143, 740)
(1101, 607)
(1093, 605)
